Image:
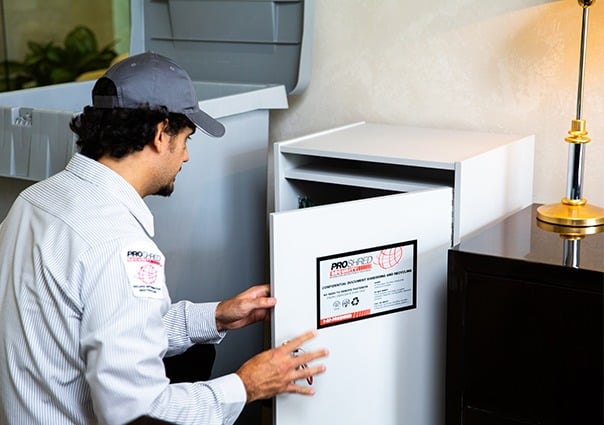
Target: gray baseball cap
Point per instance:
(149, 78)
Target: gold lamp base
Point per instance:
(571, 218)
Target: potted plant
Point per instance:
(46, 64)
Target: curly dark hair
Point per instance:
(118, 132)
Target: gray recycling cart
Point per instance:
(244, 57)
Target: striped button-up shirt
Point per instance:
(85, 315)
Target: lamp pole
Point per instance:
(573, 216)
(576, 157)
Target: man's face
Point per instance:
(175, 156)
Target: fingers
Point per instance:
(264, 303)
(245, 308)
(299, 356)
(257, 297)
(306, 357)
(293, 344)
(306, 374)
(262, 290)
(299, 361)
(283, 369)
(299, 389)
(257, 291)
(309, 372)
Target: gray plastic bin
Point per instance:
(213, 229)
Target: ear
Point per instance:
(162, 139)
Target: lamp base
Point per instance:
(571, 218)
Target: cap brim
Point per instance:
(206, 123)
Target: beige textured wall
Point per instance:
(507, 66)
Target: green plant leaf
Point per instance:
(37, 48)
(47, 63)
(55, 55)
(82, 40)
(61, 75)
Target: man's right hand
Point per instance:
(276, 371)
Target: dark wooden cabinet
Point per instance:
(525, 327)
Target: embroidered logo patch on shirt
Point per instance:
(145, 268)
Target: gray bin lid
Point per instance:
(263, 42)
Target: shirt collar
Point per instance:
(101, 176)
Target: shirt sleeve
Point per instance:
(124, 338)
(190, 323)
(227, 392)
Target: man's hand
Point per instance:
(275, 371)
(246, 308)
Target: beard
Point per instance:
(165, 190)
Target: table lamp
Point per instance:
(573, 216)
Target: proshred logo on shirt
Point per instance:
(145, 268)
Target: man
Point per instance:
(85, 315)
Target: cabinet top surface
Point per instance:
(393, 142)
(519, 237)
